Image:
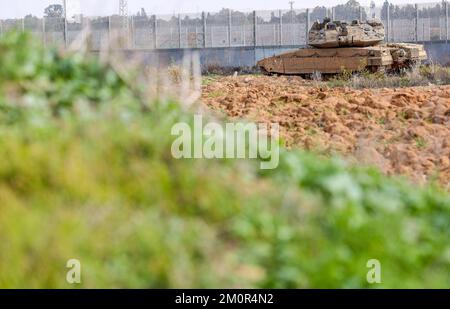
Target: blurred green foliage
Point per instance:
(85, 174)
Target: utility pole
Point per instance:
(291, 3)
(123, 8)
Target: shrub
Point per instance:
(102, 187)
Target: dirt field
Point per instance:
(402, 131)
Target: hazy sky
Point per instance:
(19, 8)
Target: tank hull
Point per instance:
(310, 60)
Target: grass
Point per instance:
(215, 94)
(418, 76)
(420, 142)
(86, 173)
(209, 79)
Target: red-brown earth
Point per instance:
(403, 131)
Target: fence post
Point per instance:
(388, 22)
(255, 30)
(308, 25)
(65, 32)
(229, 27)
(109, 31)
(132, 33)
(65, 23)
(204, 28)
(155, 32)
(446, 22)
(244, 33)
(255, 33)
(87, 37)
(416, 28)
(280, 28)
(44, 35)
(179, 31)
(275, 34)
(82, 34)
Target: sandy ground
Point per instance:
(402, 131)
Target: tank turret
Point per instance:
(332, 34)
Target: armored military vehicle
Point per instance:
(338, 46)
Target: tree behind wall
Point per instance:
(54, 10)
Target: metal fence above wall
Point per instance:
(230, 28)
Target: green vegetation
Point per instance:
(420, 142)
(86, 173)
(215, 94)
(209, 79)
(420, 76)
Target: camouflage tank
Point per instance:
(336, 46)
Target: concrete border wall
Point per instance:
(439, 52)
(242, 57)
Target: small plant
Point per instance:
(215, 94)
(420, 142)
(175, 73)
(345, 74)
(317, 76)
(436, 74)
(336, 82)
(209, 79)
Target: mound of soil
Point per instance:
(402, 131)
